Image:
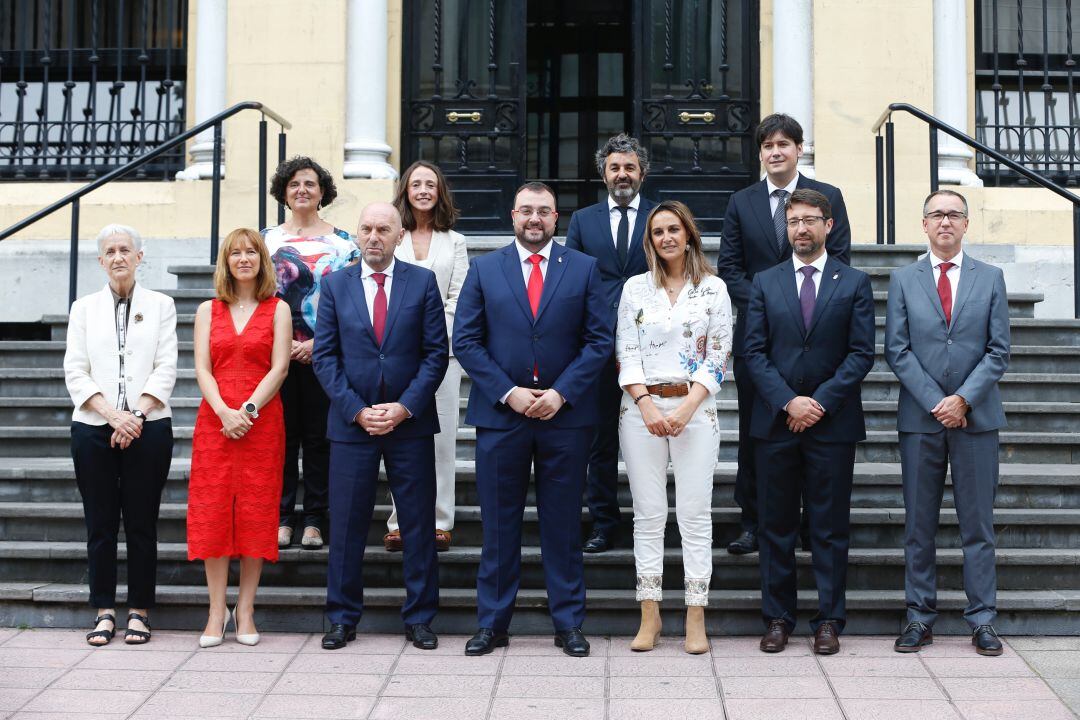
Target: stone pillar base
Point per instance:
(368, 160)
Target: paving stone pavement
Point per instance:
(46, 674)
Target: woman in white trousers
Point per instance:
(672, 343)
(428, 214)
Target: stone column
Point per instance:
(951, 91)
(211, 39)
(793, 70)
(366, 150)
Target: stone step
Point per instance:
(870, 527)
(868, 569)
(610, 612)
(1021, 486)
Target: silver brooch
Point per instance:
(138, 317)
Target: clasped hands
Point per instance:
(535, 403)
(803, 412)
(381, 419)
(951, 411)
(301, 351)
(235, 423)
(126, 427)
(670, 425)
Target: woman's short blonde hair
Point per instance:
(225, 283)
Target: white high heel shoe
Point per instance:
(209, 641)
(248, 639)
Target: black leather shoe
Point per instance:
(338, 637)
(598, 542)
(572, 642)
(421, 637)
(744, 544)
(986, 642)
(915, 637)
(485, 641)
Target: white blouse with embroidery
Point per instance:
(690, 341)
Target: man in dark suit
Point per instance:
(380, 352)
(532, 331)
(611, 231)
(947, 339)
(809, 344)
(755, 239)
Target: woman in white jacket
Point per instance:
(120, 368)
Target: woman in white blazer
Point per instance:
(120, 368)
(427, 212)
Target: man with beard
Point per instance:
(611, 231)
(809, 344)
(532, 331)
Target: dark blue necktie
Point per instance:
(622, 236)
(807, 296)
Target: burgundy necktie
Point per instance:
(378, 322)
(944, 290)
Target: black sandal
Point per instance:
(137, 637)
(107, 634)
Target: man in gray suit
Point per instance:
(947, 340)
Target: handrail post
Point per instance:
(933, 159)
(1076, 260)
(73, 254)
(215, 195)
(890, 184)
(281, 159)
(879, 188)
(262, 174)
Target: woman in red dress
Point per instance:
(242, 343)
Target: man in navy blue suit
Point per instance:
(755, 239)
(380, 352)
(533, 333)
(611, 231)
(809, 344)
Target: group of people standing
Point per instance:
(622, 338)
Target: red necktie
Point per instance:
(378, 322)
(944, 290)
(536, 283)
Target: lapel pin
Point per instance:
(835, 276)
(560, 259)
(138, 317)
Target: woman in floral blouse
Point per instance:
(672, 343)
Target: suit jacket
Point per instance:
(933, 359)
(92, 362)
(827, 362)
(749, 244)
(590, 233)
(448, 258)
(356, 371)
(498, 343)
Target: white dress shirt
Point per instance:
(819, 268)
(371, 287)
(614, 217)
(773, 200)
(954, 271)
(526, 264)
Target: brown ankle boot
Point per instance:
(696, 640)
(649, 632)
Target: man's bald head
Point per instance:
(378, 234)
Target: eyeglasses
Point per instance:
(807, 221)
(528, 212)
(937, 217)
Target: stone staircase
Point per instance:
(42, 537)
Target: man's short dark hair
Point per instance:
(934, 194)
(622, 143)
(786, 125)
(287, 169)
(537, 186)
(812, 198)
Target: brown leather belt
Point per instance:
(668, 390)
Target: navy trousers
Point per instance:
(602, 483)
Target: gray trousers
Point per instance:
(924, 458)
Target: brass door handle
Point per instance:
(708, 116)
(454, 116)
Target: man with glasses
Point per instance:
(755, 239)
(611, 231)
(947, 340)
(809, 344)
(532, 331)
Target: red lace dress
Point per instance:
(235, 485)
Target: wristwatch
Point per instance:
(139, 414)
(251, 409)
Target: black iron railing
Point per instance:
(886, 178)
(149, 156)
(88, 85)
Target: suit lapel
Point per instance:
(963, 288)
(790, 292)
(603, 231)
(556, 267)
(759, 199)
(925, 276)
(826, 288)
(402, 273)
(355, 288)
(636, 247)
(106, 317)
(511, 265)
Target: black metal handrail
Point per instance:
(886, 178)
(214, 122)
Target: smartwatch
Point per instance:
(250, 408)
(139, 414)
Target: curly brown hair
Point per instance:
(287, 169)
(446, 214)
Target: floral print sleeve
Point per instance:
(627, 342)
(717, 340)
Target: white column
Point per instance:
(793, 70)
(951, 90)
(211, 38)
(366, 151)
